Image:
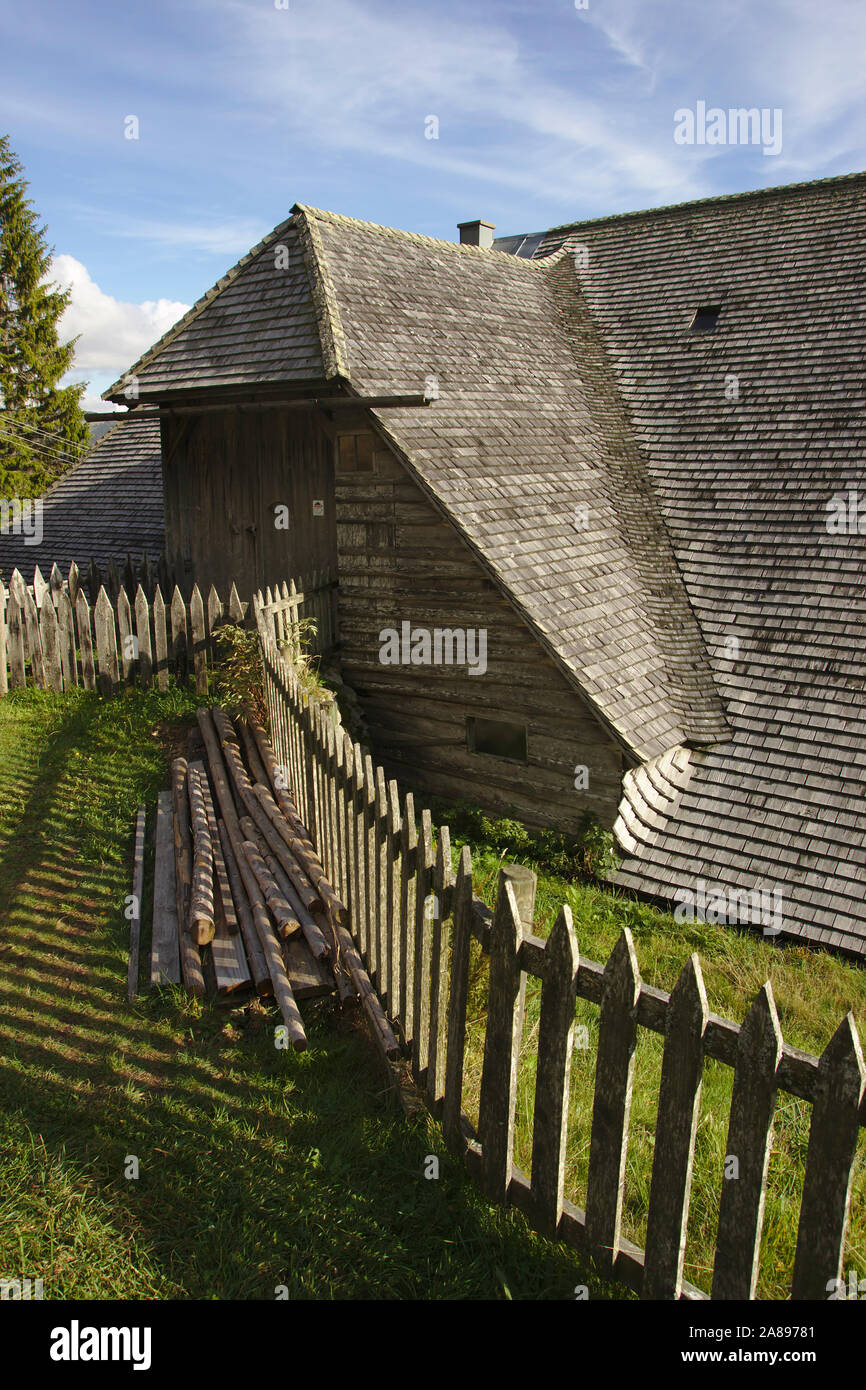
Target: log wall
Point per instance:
(399, 560)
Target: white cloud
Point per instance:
(114, 333)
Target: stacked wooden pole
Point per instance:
(287, 889)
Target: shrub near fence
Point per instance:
(412, 921)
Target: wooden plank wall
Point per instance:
(399, 560)
(412, 920)
(224, 474)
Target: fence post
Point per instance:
(750, 1132)
(614, 1073)
(461, 933)
(833, 1137)
(442, 882)
(506, 990)
(4, 683)
(673, 1156)
(553, 1071)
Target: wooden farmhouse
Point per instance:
(574, 492)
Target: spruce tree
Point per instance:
(42, 427)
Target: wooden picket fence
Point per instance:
(52, 638)
(285, 607)
(412, 920)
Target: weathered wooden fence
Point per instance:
(63, 631)
(412, 921)
(52, 638)
(284, 608)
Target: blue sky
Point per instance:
(546, 113)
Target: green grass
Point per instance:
(813, 990)
(258, 1168)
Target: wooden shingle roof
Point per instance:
(109, 505)
(744, 476)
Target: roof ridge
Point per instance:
(335, 357)
(775, 189)
(192, 313)
(459, 246)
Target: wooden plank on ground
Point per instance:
(309, 978)
(164, 959)
(137, 890)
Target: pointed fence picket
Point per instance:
(413, 924)
(58, 632)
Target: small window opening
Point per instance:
(355, 453)
(498, 738)
(706, 318)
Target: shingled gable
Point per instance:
(527, 449)
(108, 506)
(749, 433)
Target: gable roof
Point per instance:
(258, 323)
(704, 578)
(108, 505)
(744, 480)
(527, 428)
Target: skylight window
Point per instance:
(705, 319)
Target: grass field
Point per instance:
(813, 991)
(258, 1168)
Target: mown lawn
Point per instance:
(813, 991)
(258, 1168)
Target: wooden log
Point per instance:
(201, 922)
(190, 960)
(676, 1126)
(614, 1074)
(164, 959)
(271, 950)
(750, 1137)
(255, 955)
(310, 898)
(833, 1137)
(314, 935)
(282, 912)
(223, 896)
(137, 891)
(309, 863)
(219, 775)
(309, 978)
(254, 762)
(501, 1045)
(226, 731)
(361, 980)
(231, 972)
(461, 936)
